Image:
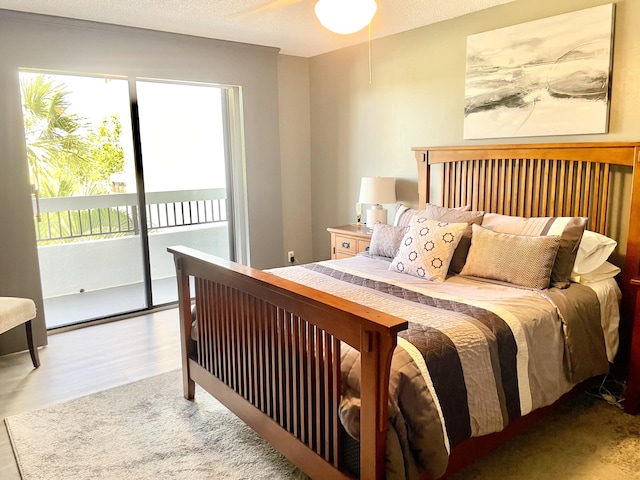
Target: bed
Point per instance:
(312, 356)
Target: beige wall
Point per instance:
(295, 156)
(416, 98)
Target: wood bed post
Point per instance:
(632, 260)
(184, 306)
(423, 178)
(630, 310)
(376, 351)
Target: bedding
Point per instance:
(609, 296)
(476, 355)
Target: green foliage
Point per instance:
(80, 225)
(67, 156)
(107, 156)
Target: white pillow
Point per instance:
(427, 248)
(593, 252)
(603, 272)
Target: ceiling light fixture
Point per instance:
(345, 16)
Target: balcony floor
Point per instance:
(81, 307)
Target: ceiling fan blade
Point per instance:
(268, 7)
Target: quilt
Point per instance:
(476, 355)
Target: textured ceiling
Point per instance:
(290, 25)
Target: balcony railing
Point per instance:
(113, 215)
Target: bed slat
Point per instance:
(529, 187)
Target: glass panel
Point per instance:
(79, 150)
(183, 156)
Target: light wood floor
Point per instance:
(85, 361)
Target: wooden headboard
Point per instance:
(594, 180)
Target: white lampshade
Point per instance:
(375, 191)
(345, 16)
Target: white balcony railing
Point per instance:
(81, 217)
(90, 244)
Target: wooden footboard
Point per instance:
(269, 350)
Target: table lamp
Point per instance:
(376, 191)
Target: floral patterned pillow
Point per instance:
(427, 248)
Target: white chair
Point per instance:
(13, 312)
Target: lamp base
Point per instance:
(375, 215)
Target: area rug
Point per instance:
(586, 439)
(147, 430)
(143, 430)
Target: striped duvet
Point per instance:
(476, 355)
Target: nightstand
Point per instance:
(349, 240)
(632, 401)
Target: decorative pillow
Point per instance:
(594, 250)
(427, 248)
(385, 240)
(569, 229)
(450, 215)
(518, 259)
(404, 214)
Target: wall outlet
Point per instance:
(291, 256)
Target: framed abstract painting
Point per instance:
(546, 77)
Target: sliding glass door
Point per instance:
(120, 169)
(184, 164)
(79, 147)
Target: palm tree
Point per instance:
(67, 157)
(53, 139)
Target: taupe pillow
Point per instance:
(427, 248)
(404, 214)
(385, 240)
(570, 230)
(518, 259)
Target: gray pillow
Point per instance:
(404, 214)
(385, 240)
